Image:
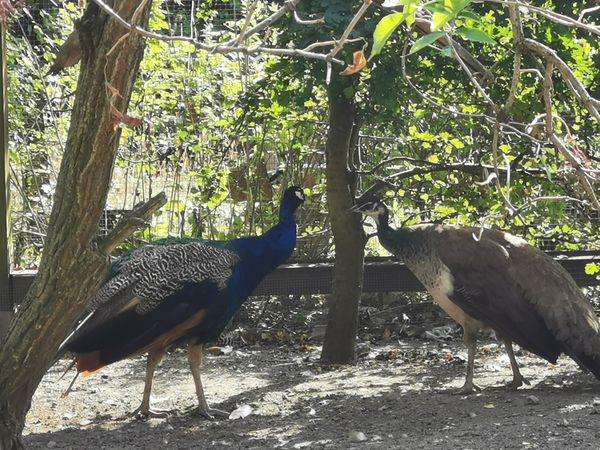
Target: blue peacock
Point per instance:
(182, 291)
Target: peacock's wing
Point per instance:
(187, 276)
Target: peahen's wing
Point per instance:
(485, 286)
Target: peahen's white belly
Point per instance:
(438, 281)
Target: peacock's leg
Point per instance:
(518, 379)
(195, 360)
(154, 358)
(470, 339)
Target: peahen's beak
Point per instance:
(358, 208)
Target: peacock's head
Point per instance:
(293, 197)
(375, 209)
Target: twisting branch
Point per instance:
(517, 29)
(586, 11)
(126, 226)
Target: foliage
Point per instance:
(217, 128)
(212, 137)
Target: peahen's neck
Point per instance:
(398, 241)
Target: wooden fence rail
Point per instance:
(314, 277)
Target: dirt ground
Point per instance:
(394, 398)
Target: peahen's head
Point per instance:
(292, 198)
(375, 209)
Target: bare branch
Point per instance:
(517, 29)
(289, 6)
(576, 86)
(340, 44)
(556, 17)
(308, 21)
(249, 15)
(228, 47)
(473, 79)
(558, 142)
(587, 11)
(330, 43)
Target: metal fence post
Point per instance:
(6, 303)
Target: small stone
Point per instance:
(357, 436)
(51, 444)
(532, 400)
(472, 415)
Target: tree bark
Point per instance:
(348, 235)
(72, 268)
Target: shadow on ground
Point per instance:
(393, 398)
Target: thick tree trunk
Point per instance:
(71, 268)
(348, 235)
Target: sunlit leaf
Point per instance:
(592, 268)
(426, 40)
(475, 35)
(439, 19)
(386, 27)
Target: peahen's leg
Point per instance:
(518, 379)
(195, 360)
(154, 358)
(470, 340)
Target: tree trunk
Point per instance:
(348, 235)
(72, 268)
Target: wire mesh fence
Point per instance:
(219, 173)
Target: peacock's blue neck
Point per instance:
(286, 213)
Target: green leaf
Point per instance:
(386, 27)
(592, 268)
(466, 14)
(439, 19)
(446, 51)
(475, 35)
(424, 41)
(457, 5)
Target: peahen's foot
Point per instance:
(210, 413)
(467, 388)
(146, 412)
(516, 383)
